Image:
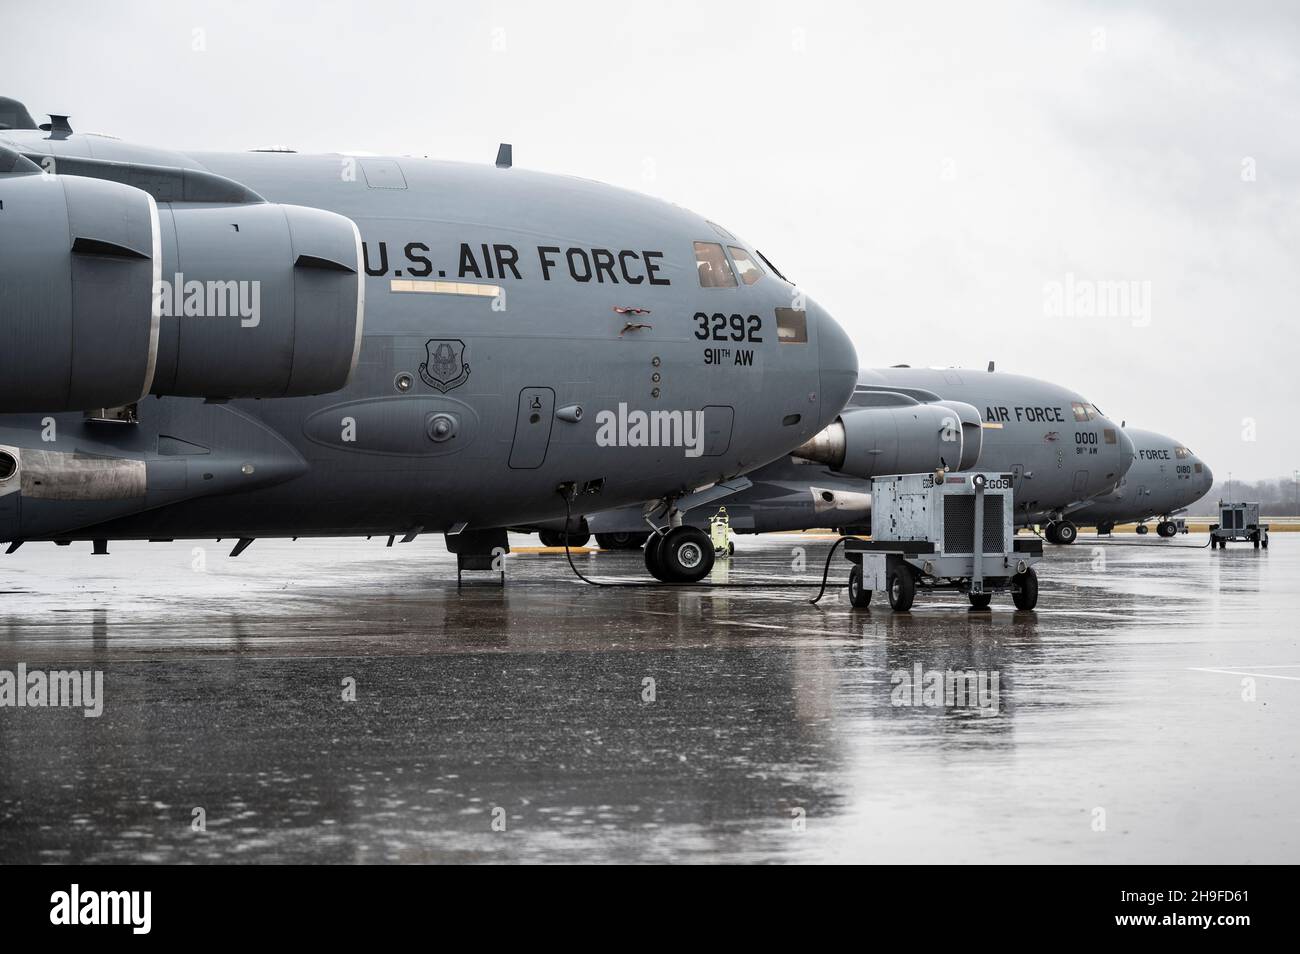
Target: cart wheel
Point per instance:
(1254, 538)
(731, 547)
(902, 589)
(980, 600)
(857, 595)
(1024, 590)
(1263, 541)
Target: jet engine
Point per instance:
(78, 260)
(106, 296)
(972, 432)
(874, 441)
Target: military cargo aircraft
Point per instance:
(1166, 478)
(236, 345)
(1060, 450)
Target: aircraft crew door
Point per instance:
(532, 428)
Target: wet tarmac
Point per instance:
(1147, 711)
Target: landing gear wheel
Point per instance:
(1166, 528)
(556, 538)
(902, 589)
(1049, 533)
(621, 541)
(1142, 529)
(1066, 533)
(980, 600)
(685, 555)
(858, 597)
(651, 554)
(1024, 589)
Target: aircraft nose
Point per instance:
(1126, 448)
(1207, 476)
(838, 364)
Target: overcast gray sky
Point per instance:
(934, 174)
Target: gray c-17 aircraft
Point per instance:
(1060, 450)
(211, 345)
(1166, 478)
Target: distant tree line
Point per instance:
(1277, 497)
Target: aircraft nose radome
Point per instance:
(1207, 476)
(838, 361)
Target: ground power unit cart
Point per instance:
(1238, 521)
(924, 529)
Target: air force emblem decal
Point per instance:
(444, 367)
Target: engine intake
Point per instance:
(258, 301)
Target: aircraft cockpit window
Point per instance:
(1080, 411)
(746, 266)
(715, 270)
(1182, 453)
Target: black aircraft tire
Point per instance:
(902, 589)
(858, 597)
(1166, 528)
(1024, 592)
(1049, 533)
(556, 538)
(686, 554)
(1066, 533)
(1142, 529)
(651, 554)
(621, 541)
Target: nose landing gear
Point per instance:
(1061, 532)
(680, 555)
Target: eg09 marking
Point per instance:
(720, 327)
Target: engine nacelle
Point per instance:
(873, 442)
(972, 432)
(258, 301)
(78, 261)
(106, 296)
